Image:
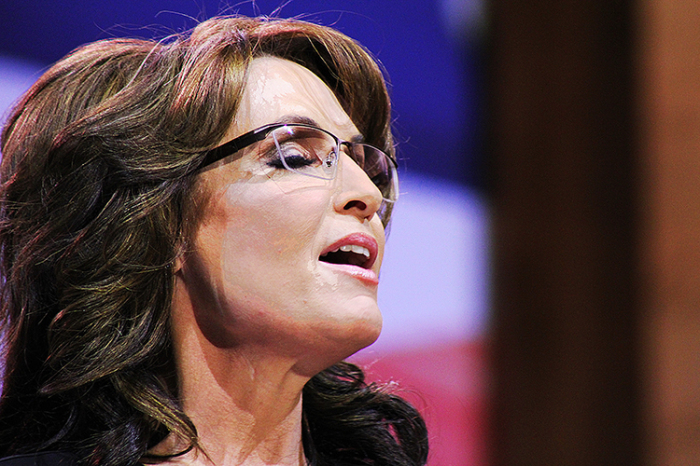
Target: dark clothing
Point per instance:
(47, 458)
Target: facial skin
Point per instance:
(255, 311)
(253, 278)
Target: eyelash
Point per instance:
(293, 161)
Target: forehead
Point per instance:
(278, 88)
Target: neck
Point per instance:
(245, 404)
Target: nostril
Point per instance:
(355, 204)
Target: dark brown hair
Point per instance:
(93, 214)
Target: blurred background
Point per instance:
(542, 280)
(434, 292)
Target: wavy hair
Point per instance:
(96, 205)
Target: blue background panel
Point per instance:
(430, 49)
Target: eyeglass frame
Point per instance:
(259, 134)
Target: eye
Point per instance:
(356, 153)
(295, 155)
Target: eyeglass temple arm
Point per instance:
(234, 145)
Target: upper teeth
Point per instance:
(356, 249)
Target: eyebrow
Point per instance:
(299, 119)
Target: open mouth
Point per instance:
(349, 254)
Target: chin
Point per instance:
(363, 334)
(342, 342)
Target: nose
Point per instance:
(357, 194)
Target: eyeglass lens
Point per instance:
(314, 152)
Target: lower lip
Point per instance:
(367, 276)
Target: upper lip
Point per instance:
(357, 239)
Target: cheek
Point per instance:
(380, 235)
(272, 222)
(255, 242)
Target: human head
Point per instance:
(97, 206)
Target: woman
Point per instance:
(191, 237)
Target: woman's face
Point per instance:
(256, 274)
